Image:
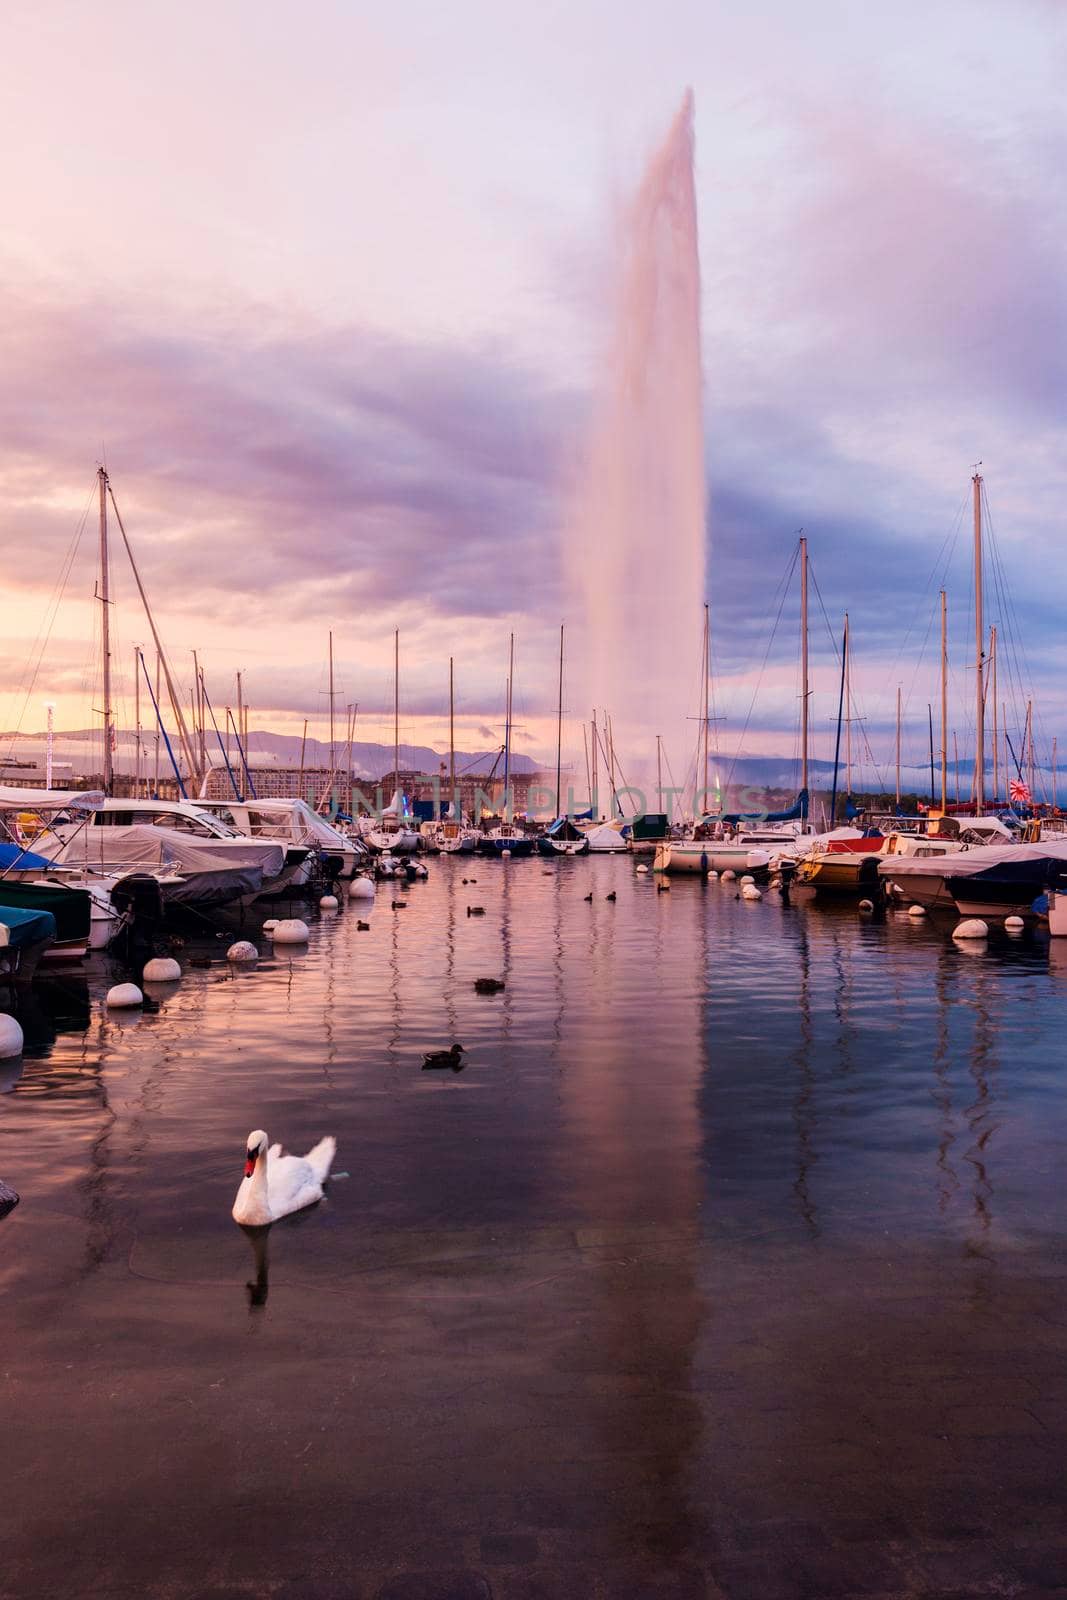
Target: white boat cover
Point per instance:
(606, 836)
(291, 820)
(50, 799)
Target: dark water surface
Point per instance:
(732, 1263)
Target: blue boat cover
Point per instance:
(27, 927)
(796, 812)
(15, 855)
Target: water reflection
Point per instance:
(633, 1147)
(259, 1288)
(805, 1109)
(696, 1107)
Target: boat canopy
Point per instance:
(563, 828)
(51, 799)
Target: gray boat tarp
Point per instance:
(962, 863)
(213, 871)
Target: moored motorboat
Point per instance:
(844, 866)
(920, 874)
(292, 823)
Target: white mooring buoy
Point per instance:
(162, 969)
(973, 928)
(361, 889)
(291, 931)
(243, 950)
(750, 892)
(713, 876)
(916, 912)
(124, 994)
(1014, 924)
(728, 876)
(506, 854)
(270, 925)
(10, 1037)
(642, 868)
(328, 902)
(866, 905)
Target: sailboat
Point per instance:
(451, 836)
(561, 837)
(390, 834)
(737, 843)
(506, 839)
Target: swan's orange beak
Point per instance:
(250, 1163)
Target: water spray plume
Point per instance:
(635, 539)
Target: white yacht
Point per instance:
(293, 824)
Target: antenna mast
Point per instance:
(105, 634)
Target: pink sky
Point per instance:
(327, 289)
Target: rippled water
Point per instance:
(726, 1201)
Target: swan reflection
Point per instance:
(259, 1239)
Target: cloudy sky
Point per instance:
(326, 286)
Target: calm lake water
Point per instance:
(731, 1263)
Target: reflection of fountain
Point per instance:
(635, 539)
(632, 1143)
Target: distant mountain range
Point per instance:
(79, 752)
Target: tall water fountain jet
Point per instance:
(635, 540)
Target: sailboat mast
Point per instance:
(559, 730)
(659, 771)
(507, 730)
(333, 749)
(396, 713)
(105, 633)
(159, 728)
(930, 719)
(993, 688)
(452, 738)
(979, 643)
(804, 665)
(303, 748)
(840, 711)
(944, 700)
(136, 722)
(898, 744)
(595, 798)
(1030, 748)
(848, 711)
(707, 707)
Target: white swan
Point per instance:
(275, 1185)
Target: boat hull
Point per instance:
(993, 898)
(72, 909)
(402, 842)
(709, 855)
(563, 847)
(498, 847)
(840, 874)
